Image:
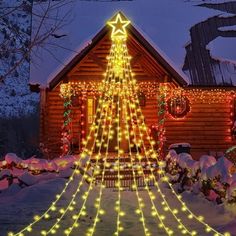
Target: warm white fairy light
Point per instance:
(72, 202)
(166, 206)
(53, 207)
(154, 212)
(100, 211)
(119, 82)
(154, 209)
(191, 215)
(86, 195)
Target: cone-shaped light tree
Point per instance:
(118, 127)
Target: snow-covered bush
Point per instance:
(16, 171)
(214, 178)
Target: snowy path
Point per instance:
(16, 212)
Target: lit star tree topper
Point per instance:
(118, 26)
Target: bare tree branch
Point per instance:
(46, 21)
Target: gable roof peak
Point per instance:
(117, 13)
(154, 52)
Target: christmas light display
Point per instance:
(118, 119)
(66, 129)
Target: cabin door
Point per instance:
(91, 111)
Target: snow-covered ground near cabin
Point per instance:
(17, 210)
(18, 204)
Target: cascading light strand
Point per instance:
(183, 229)
(72, 202)
(100, 211)
(119, 227)
(141, 205)
(52, 207)
(181, 226)
(155, 212)
(86, 195)
(184, 208)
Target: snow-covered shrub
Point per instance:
(12, 158)
(172, 163)
(14, 170)
(212, 177)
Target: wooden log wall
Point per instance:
(207, 127)
(150, 114)
(53, 121)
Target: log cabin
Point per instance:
(201, 116)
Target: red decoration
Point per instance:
(178, 106)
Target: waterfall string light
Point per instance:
(184, 208)
(100, 211)
(70, 207)
(118, 103)
(154, 209)
(95, 172)
(165, 204)
(105, 105)
(83, 155)
(119, 228)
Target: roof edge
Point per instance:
(139, 37)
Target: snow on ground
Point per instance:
(17, 211)
(18, 204)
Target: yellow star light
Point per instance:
(118, 26)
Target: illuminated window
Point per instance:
(90, 109)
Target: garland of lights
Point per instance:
(118, 90)
(82, 120)
(52, 207)
(184, 208)
(66, 128)
(165, 204)
(161, 101)
(210, 96)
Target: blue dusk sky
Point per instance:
(165, 23)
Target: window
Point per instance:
(90, 109)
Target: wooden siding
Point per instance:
(207, 127)
(94, 64)
(53, 121)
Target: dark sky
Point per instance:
(165, 23)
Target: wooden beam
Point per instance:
(97, 60)
(135, 59)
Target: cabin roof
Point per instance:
(154, 52)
